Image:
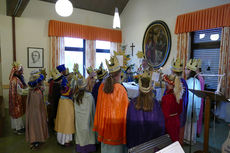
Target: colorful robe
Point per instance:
(84, 115)
(17, 102)
(144, 126)
(36, 118)
(172, 110)
(95, 90)
(110, 117)
(199, 122)
(196, 104)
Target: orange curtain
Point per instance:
(183, 48)
(224, 62)
(64, 29)
(204, 19)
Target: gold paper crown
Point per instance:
(55, 74)
(43, 72)
(114, 65)
(148, 75)
(192, 64)
(90, 70)
(199, 63)
(140, 54)
(75, 68)
(81, 82)
(17, 65)
(101, 72)
(177, 65)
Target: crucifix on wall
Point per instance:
(132, 46)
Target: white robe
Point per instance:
(84, 115)
(196, 110)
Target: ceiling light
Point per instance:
(64, 8)
(202, 36)
(116, 19)
(214, 37)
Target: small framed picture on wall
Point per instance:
(35, 57)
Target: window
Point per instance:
(102, 52)
(206, 46)
(75, 53)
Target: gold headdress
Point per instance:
(55, 74)
(81, 82)
(114, 65)
(148, 75)
(177, 65)
(90, 70)
(75, 68)
(140, 54)
(192, 64)
(199, 61)
(15, 68)
(101, 73)
(178, 87)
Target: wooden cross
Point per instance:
(132, 46)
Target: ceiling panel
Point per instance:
(101, 6)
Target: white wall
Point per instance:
(138, 14)
(32, 31)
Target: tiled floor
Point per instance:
(12, 143)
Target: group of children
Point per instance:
(98, 110)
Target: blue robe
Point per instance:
(95, 90)
(143, 126)
(185, 103)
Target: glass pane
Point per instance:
(100, 57)
(210, 65)
(72, 57)
(73, 42)
(208, 35)
(102, 44)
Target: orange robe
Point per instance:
(110, 117)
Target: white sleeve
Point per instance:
(22, 91)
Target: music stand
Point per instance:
(208, 95)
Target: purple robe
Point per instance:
(185, 103)
(144, 126)
(199, 122)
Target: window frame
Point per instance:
(203, 45)
(78, 49)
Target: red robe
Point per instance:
(17, 103)
(172, 111)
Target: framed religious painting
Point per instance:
(157, 44)
(35, 57)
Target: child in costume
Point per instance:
(177, 69)
(91, 79)
(172, 106)
(145, 119)
(84, 115)
(17, 99)
(64, 123)
(111, 111)
(194, 102)
(36, 116)
(101, 74)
